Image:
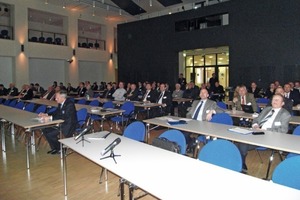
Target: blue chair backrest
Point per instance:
(175, 136)
(128, 107)
(81, 101)
(29, 107)
(6, 103)
(81, 116)
(20, 105)
(94, 103)
(287, 173)
(72, 99)
(41, 109)
(51, 110)
(262, 100)
(108, 104)
(296, 130)
(222, 105)
(136, 131)
(1, 100)
(13, 103)
(222, 153)
(222, 118)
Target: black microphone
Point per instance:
(111, 146)
(84, 131)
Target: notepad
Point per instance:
(240, 130)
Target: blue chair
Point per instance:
(175, 136)
(1, 100)
(20, 105)
(262, 100)
(136, 131)
(29, 107)
(41, 109)
(12, 103)
(287, 173)
(81, 118)
(222, 153)
(51, 110)
(94, 103)
(220, 118)
(222, 105)
(7, 101)
(129, 112)
(295, 132)
(81, 101)
(108, 104)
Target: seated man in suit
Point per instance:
(81, 90)
(288, 104)
(3, 90)
(133, 93)
(254, 90)
(149, 95)
(28, 93)
(273, 118)
(218, 93)
(12, 90)
(65, 111)
(49, 94)
(244, 98)
(165, 99)
(107, 94)
(177, 93)
(293, 95)
(201, 110)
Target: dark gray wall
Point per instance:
(263, 39)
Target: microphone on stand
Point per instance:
(111, 146)
(83, 132)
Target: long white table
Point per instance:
(272, 140)
(28, 121)
(170, 176)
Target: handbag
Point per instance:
(166, 144)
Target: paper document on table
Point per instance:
(241, 130)
(97, 136)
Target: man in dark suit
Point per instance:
(12, 90)
(291, 94)
(273, 118)
(3, 90)
(49, 94)
(182, 81)
(165, 99)
(107, 94)
(66, 111)
(28, 94)
(81, 90)
(133, 93)
(149, 95)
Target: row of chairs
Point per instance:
(48, 40)
(89, 45)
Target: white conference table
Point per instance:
(104, 113)
(28, 121)
(272, 140)
(170, 176)
(241, 114)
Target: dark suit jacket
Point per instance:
(13, 91)
(209, 105)
(69, 115)
(166, 99)
(108, 93)
(81, 93)
(3, 92)
(152, 96)
(50, 95)
(134, 95)
(256, 92)
(280, 123)
(295, 97)
(28, 95)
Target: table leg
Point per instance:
(12, 130)
(102, 123)
(64, 170)
(3, 136)
(122, 195)
(28, 143)
(148, 133)
(32, 142)
(269, 165)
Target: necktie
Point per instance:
(266, 118)
(160, 96)
(146, 95)
(197, 111)
(243, 100)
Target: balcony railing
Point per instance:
(47, 37)
(6, 32)
(91, 43)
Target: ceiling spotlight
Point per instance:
(93, 13)
(46, 2)
(94, 4)
(120, 12)
(150, 3)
